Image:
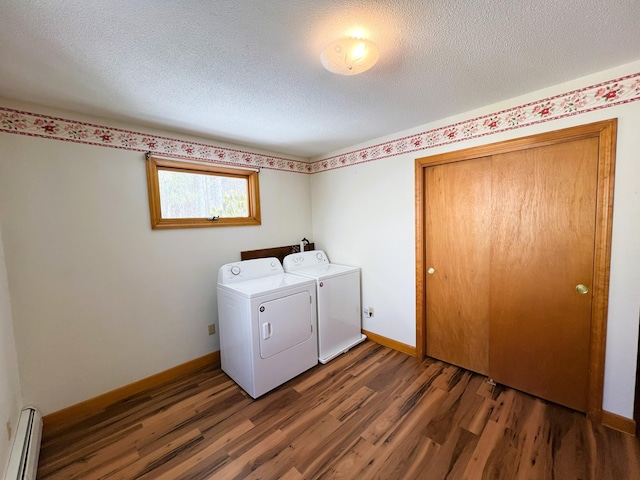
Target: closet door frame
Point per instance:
(606, 132)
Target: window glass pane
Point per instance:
(192, 195)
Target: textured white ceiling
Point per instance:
(248, 71)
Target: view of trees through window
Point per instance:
(192, 195)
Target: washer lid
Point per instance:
(265, 285)
(325, 271)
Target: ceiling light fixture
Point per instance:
(350, 56)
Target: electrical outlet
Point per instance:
(9, 431)
(212, 329)
(371, 311)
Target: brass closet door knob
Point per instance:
(582, 289)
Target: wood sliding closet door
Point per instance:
(513, 245)
(458, 232)
(543, 232)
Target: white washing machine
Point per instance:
(338, 287)
(267, 321)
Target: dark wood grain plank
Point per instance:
(372, 413)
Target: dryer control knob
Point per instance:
(319, 256)
(235, 270)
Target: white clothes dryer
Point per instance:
(267, 321)
(338, 289)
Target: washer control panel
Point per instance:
(305, 259)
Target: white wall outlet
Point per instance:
(367, 312)
(371, 311)
(212, 329)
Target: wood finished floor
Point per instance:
(371, 413)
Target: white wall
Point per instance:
(100, 300)
(10, 398)
(365, 215)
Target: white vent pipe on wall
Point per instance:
(23, 461)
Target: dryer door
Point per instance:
(284, 323)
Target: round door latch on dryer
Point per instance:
(322, 284)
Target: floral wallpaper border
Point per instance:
(55, 128)
(602, 95)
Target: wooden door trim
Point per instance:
(606, 132)
(636, 408)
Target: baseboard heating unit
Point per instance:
(23, 461)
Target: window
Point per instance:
(183, 195)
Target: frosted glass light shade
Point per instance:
(350, 56)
